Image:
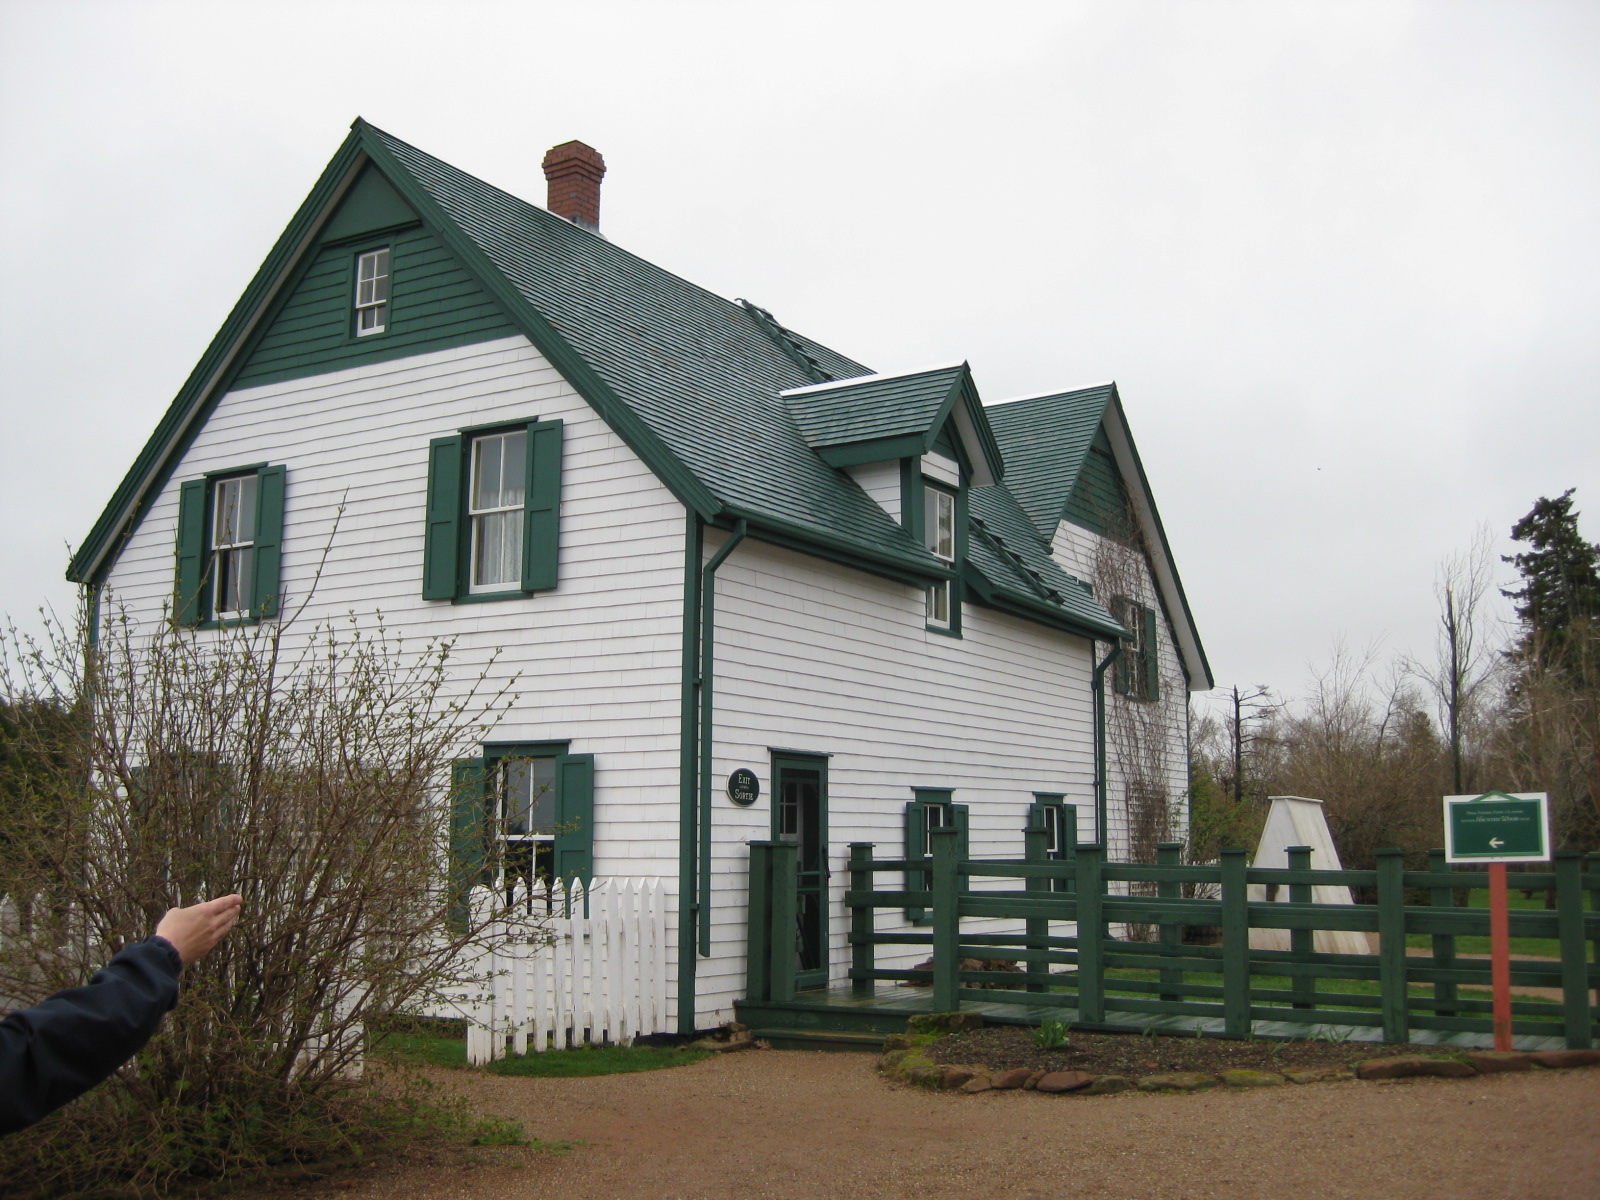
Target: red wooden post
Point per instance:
(1500, 954)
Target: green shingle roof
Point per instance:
(693, 382)
(1045, 440)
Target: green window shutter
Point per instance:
(574, 853)
(442, 545)
(1152, 659)
(541, 523)
(915, 848)
(187, 607)
(268, 555)
(469, 836)
(958, 818)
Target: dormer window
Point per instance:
(372, 292)
(939, 535)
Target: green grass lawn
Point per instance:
(416, 1044)
(1520, 946)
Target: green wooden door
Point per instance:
(800, 814)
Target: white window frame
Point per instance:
(479, 518)
(372, 292)
(232, 554)
(939, 536)
(531, 840)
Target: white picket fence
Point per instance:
(599, 973)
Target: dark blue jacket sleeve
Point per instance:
(69, 1042)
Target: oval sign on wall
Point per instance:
(743, 787)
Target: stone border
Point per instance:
(905, 1059)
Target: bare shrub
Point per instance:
(164, 766)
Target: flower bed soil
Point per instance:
(1004, 1047)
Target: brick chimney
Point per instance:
(574, 171)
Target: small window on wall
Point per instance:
(230, 535)
(522, 818)
(932, 809)
(1137, 671)
(372, 292)
(1060, 824)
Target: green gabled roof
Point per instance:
(881, 417)
(1045, 440)
(691, 381)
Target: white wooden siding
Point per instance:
(598, 660)
(881, 481)
(819, 658)
(1077, 550)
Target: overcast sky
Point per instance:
(1340, 258)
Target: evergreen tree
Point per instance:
(1560, 590)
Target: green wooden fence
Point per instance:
(990, 909)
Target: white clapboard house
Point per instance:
(716, 550)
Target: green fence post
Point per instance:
(1235, 945)
(758, 919)
(1592, 878)
(1392, 946)
(946, 920)
(1169, 855)
(1574, 970)
(1091, 933)
(863, 950)
(1444, 944)
(785, 940)
(1037, 929)
(1302, 942)
(1069, 844)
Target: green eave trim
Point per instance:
(906, 569)
(185, 414)
(853, 454)
(981, 589)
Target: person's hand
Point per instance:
(193, 931)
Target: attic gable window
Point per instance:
(232, 544)
(1137, 671)
(372, 292)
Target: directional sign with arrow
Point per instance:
(1497, 827)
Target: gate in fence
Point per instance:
(596, 973)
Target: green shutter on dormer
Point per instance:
(267, 555)
(186, 606)
(541, 523)
(442, 541)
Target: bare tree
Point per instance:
(1467, 656)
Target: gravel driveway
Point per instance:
(813, 1126)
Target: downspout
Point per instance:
(708, 639)
(1098, 687)
(688, 771)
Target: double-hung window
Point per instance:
(522, 818)
(939, 535)
(497, 490)
(230, 534)
(494, 512)
(372, 292)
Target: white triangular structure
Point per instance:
(1300, 821)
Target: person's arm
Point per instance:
(63, 1046)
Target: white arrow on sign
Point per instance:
(1495, 843)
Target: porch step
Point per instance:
(819, 1039)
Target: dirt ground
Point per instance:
(804, 1125)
